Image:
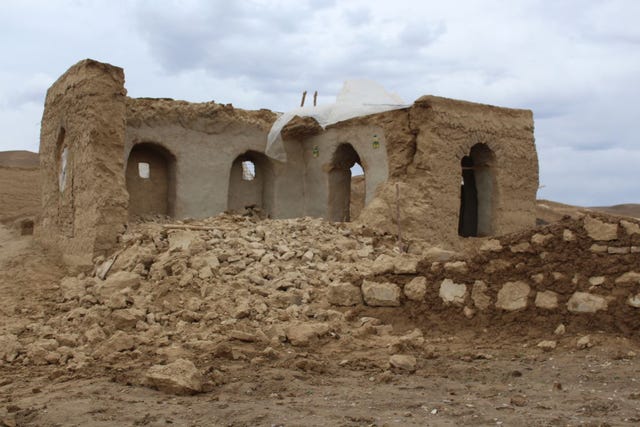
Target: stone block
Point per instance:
(584, 302)
(600, 230)
(344, 294)
(513, 296)
(381, 294)
(416, 289)
(481, 300)
(452, 293)
(180, 377)
(547, 300)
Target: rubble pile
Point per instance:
(178, 301)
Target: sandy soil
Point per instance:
(464, 376)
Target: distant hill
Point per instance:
(19, 159)
(627, 209)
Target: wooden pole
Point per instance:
(304, 96)
(315, 98)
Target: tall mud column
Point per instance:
(84, 198)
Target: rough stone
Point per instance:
(491, 245)
(615, 250)
(344, 294)
(547, 345)
(383, 264)
(302, 334)
(481, 300)
(381, 294)
(584, 342)
(547, 300)
(541, 239)
(452, 293)
(405, 265)
(538, 278)
(117, 282)
(560, 330)
(568, 236)
(72, 288)
(630, 228)
(600, 230)
(403, 362)
(596, 280)
(599, 249)
(584, 302)
(520, 248)
(456, 267)
(416, 289)
(180, 377)
(513, 296)
(120, 341)
(634, 300)
(436, 254)
(628, 277)
(10, 347)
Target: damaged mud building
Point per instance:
(445, 169)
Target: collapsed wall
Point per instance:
(84, 199)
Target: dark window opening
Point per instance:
(477, 193)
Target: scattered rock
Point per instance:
(416, 289)
(560, 330)
(541, 239)
(491, 245)
(180, 377)
(381, 294)
(302, 334)
(513, 296)
(584, 342)
(403, 362)
(547, 345)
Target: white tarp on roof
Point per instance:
(357, 98)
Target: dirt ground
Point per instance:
(464, 375)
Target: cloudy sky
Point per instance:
(576, 64)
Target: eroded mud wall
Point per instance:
(84, 200)
(444, 132)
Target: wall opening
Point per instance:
(250, 183)
(346, 192)
(150, 176)
(477, 196)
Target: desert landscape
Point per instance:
(237, 320)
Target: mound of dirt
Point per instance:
(19, 159)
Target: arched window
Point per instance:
(250, 183)
(477, 192)
(150, 179)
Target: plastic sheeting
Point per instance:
(357, 98)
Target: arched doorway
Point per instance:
(346, 196)
(250, 183)
(477, 193)
(150, 179)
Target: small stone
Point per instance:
(513, 296)
(452, 293)
(491, 245)
(598, 249)
(584, 342)
(629, 277)
(600, 230)
(481, 300)
(383, 264)
(120, 341)
(519, 400)
(541, 239)
(614, 250)
(302, 334)
(634, 301)
(416, 289)
(436, 254)
(242, 336)
(180, 377)
(596, 280)
(468, 312)
(403, 362)
(405, 265)
(456, 267)
(629, 227)
(584, 302)
(547, 345)
(381, 294)
(344, 294)
(560, 330)
(520, 247)
(538, 278)
(568, 236)
(547, 300)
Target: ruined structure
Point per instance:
(451, 169)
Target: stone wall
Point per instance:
(84, 200)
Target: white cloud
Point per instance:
(574, 63)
